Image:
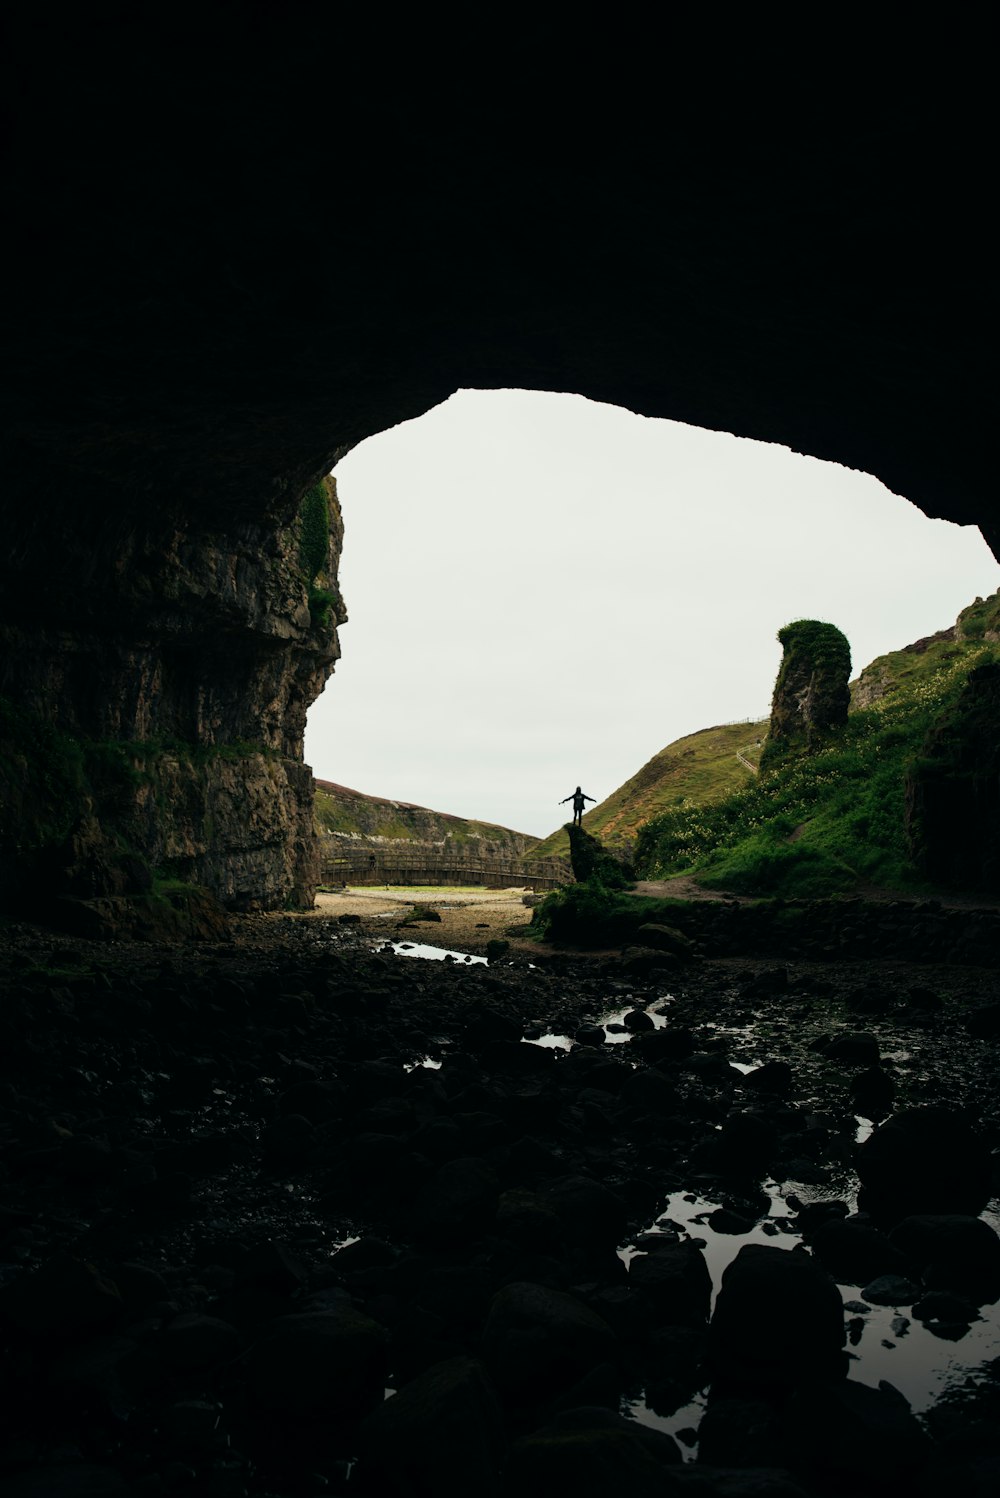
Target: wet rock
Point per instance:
(812, 1215)
(925, 1159)
(854, 1434)
(649, 1091)
(460, 1198)
(538, 1341)
(513, 1058)
(59, 1480)
(664, 1046)
(950, 1249)
(941, 1305)
(287, 1141)
(272, 1265)
(856, 1049)
(890, 1290)
(524, 1219)
(363, 1254)
(62, 1298)
(591, 1214)
(872, 1092)
(330, 1363)
(442, 1433)
(984, 1022)
(854, 1251)
(594, 1461)
(664, 938)
(762, 985)
(638, 1019)
(639, 962)
(488, 1024)
(590, 1035)
(674, 1280)
(778, 1318)
(745, 1144)
(774, 1076)
(724, 1220)
(192, 1341)
(139, 1286)
(739, 1433)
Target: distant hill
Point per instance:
(700, 767)
(870, 807)
(354, 816)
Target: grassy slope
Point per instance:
(832, 820)
(698, 768)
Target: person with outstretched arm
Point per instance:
(578, 799)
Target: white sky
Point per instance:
(544, 592)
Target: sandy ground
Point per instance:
(469, 918)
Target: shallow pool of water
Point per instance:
(432, 954)
(884, 1342)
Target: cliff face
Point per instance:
(174, 687)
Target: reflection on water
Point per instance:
(434, 954)
(886, 1342)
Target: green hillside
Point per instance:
(836, 819)
(696, 769)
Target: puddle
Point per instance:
(884, 1342)
(613, 1017)
(433, 954)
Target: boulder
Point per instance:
(442, 1433)
(952, 1250)
(925, 1160)
(858, 1048)
(854, 1251)
(851, 1434)
(774, 1076)
(459, 1199)
(321, 1363)
(539, 1341)
(778, 1318)
(674, 1280)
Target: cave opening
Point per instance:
(543, 588)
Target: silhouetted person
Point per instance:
(577, 798)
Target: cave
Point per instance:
(197, 328)
(240, 245)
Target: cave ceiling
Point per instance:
(233, 264)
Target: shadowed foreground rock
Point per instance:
(778, 1318)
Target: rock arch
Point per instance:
(235, 263)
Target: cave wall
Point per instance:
(174, 681)
(245, 241)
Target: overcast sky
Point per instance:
(544, 592)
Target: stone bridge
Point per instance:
(382, 864)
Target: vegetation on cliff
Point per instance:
(319, 521)
(836, 818)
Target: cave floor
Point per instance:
(191, 1136)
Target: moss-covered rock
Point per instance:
(811, 694)
(591, 860)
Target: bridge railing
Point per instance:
(382, 865)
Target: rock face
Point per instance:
(953, 791)
(210, 310)
(811, 694)
(160, 712)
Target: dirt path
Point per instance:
(469, 918)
